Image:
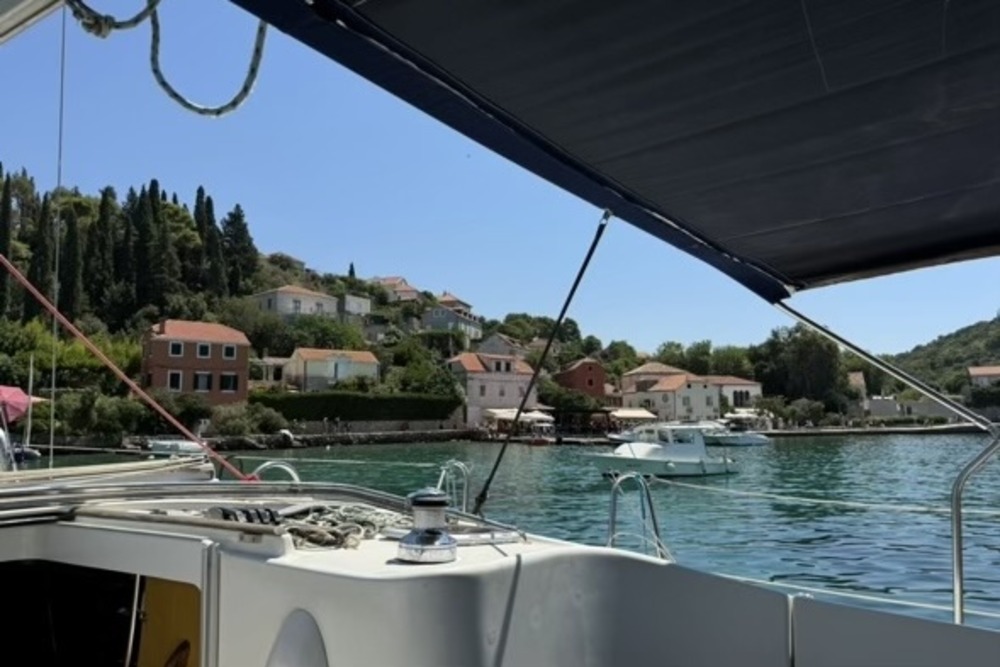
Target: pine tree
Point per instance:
(350, 271)
(240, 252)
(6, 221)
(71, 269)
(101, 252)
(40, 266)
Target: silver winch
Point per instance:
(429, 541)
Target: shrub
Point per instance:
(354, 406)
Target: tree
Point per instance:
(143, 249)
(240, 252)
(591, 346)
(100, 252)
(216, 281)
(671, 353)
(350, 271)
(40, 267)
(698, 357)
(164, 267)
(6, 223)
(71, 269)
(731, 360)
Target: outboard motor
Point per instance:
(429, 541)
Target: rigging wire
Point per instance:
(57, 232)
(102, 25)
(484, 492)
(119, 373)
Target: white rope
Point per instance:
(858, 596)
(102, 25)
(822, 501)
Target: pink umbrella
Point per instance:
(14, 403)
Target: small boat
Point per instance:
(731, 433)
(173, 447)
(673, 451)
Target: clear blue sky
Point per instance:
(332, 170)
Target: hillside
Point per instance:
(943, 361)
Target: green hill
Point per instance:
(943, 361)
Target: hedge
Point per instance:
(357, 406)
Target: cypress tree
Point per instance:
(350, 271)
(164, 266)
(216, 282)
(239, 249)
(143, 249)
(71, 269)
(101, 251)
(40, 266)
(6, 220)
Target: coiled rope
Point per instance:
(102, 25)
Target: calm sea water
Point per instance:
(556, 491)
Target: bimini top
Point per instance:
(788, 143)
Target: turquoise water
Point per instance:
(557, 492)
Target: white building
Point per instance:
(683, 397)
(739, 392)
(312, 369)
(291, 300)
(491, 381)
(498, 343)
(984, 376)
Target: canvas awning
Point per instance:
(508, 414)
(788, 145)
(632, 414)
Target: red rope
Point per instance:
(149, 400)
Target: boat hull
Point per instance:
(610, 464)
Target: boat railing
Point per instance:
(646, 511)
(957, 546)
(454, 480)
(284, 466)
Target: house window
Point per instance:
(520, 390)
(228, 351)
(175, 380)
(176, 348)
(296, 306)
(686, 401)
(482, 390)
(708, 401)
(497, 366)
(319, 308)
(590, 382)
(503, 391)
(506, 366)
(202, 381)
(204, 350)
(665, 398)
(270, 303)
(229, 382)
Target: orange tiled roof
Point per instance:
(294, 289)
(472, 362)
(390, 280)
(321, 354)
(448, 297)
(204, 332)
(579, 362)
(656, 368)
(729, 379)
(675, 382)
(979, 371)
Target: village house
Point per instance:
(738, 392)
(498, 343)
(683, 397)
(203, 358)
(452, 314)
(398, 288)
(584, 375)
(312, 369)
(984, 376)
(647, 375)
(491, 382)
(292, 300)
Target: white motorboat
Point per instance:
(715, 433)
(666, 451)
(789, 149)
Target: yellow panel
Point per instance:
(172, 615)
